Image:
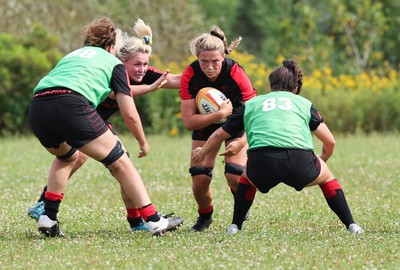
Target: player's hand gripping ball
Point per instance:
(208, 100)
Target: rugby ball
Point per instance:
(208, 100)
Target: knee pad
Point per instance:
(114, 155)
(197, 170)
(67, 155)
(233, 169)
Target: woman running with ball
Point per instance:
(213, 69)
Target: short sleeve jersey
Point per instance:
(90, 71)
(109, 106)
(280, 119)
(232, 81)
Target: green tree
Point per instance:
(347, 36)
(222, 13)
(390, 41)
(61, 18)
(174, 22)
(359, 29)
(23, 62)
(287, 28)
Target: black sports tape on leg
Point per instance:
(67, 155)
(233, 169)
(114, 155)
(197, 170)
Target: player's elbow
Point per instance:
(188, 125)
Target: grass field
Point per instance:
(286, 230)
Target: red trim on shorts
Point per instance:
(52, 92)
(329, 188)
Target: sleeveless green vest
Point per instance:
(278, 119)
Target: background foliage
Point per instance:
(347, 50)
(23, 63)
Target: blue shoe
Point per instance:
(36, 210)
(141, 227)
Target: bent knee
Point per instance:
(116, 153)
(81, 159)
(200, 170)
(235, 169)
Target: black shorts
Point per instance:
(269, 166)
(65, 117)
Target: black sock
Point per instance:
(339, 205)
(41, 199)
(133, 222)
(243, 201)
(206, 215)
(51, 208)
(153, 218)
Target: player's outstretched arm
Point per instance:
(133, 122)
(213, 142)
(143, 89)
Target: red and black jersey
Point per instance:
(109, 106)
(232, 81)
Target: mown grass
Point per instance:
(287, 229)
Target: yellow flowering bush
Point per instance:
(354, 103)
(365, 102)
